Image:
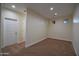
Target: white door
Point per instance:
(10, 32)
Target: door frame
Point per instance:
(2, 27)
(3, 36)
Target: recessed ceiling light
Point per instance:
(56, 14)
(51, 9)
(13, 6)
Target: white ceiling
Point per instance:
(20, 7)
(63, 9)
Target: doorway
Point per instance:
(10, 31)
(13, 31)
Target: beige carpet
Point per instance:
(47, 47)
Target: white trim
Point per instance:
(44, 39)
(35, 42)
(2, 30)
(59, 38)
(74, 49)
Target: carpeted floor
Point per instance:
(47, 47)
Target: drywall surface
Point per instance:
(61, 30)
(6, 13)
(0, 27)
(76, 30)
(15, 15)
(22, 27)
(36, 28)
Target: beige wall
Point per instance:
(22, 27)
(0, 27)
(59, 30)
(76, 30)
(36, 28)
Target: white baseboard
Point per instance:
(35, 42)
(75, 49)
(59, 38)
(44, 39)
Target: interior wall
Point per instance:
(22, 27)
(9, 14)
(61, 30)
(0, 27)
(36, 28)
(15, 15)
(76, 30)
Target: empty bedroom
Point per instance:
(39, 29)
